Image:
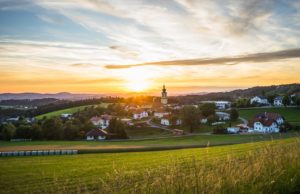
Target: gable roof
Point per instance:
(269, 115)
(264, 122)
(96, 132)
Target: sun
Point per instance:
(137, 80)
(138, 86)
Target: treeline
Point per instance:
(57, 128)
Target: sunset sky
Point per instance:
(121, 46)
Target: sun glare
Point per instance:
(137, 80)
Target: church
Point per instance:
(164, 99)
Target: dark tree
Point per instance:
(8, 131)
(23, 131)
(53, 129)
(208, 109)
(71, 131)
(117, 129)
(234, 115)
(286, 100)
(190, 116)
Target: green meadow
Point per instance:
(260, 167)
(68, 110)
(147, 144)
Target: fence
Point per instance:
(38, 153)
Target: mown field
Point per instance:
(68, 110)
(157, 143)
(261, 167)
(291, 114)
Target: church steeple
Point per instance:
(164, 99)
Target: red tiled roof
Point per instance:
(139, 111)
(265, 122)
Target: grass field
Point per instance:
(291, 115)
(188, 141)
(68, 110)
(261, 167)
(149, 132)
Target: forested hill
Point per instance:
(247, 93)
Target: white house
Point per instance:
(266, 123)
(278, 101)
(265, 126)
(167, 120)
(102, 121)
(223, 116)
(66, 115)
(222, 104)
(259, 100)
(139, 114)
(96, 134)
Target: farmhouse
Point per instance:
(223, 116)
(96, 134)
(219, 104)
(266, 123)
(278, 101)
(167, 120)
(102, 121)
(259, 100)
(139, 114)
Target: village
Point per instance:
(219, 116)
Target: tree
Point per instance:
(219, 129)
(23, 131)
(36, 131)
(190, 117)
(117, 128)
(8, 131)
(234, 115)
(71, 131)
(208, 109)
(271, 98)
(53, 129)
(286, 100)
(211, 119)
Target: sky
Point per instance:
(118, 47)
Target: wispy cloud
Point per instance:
(254, 58)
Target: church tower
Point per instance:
(164, 99)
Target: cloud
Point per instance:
(254, 58)
(83, 65)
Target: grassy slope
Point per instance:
(198, 140)
(291, 114)
(73, 173)
(68, 110)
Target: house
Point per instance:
(223, 116)
(102, 121)
(222, 104)
(139, 114)
(160, 112)
(266, 123)
(259, 100)
(264, 126)
(273, 116)
(203, 120)
(278, 101)
(66, 115)
(96, 134)
(167, 120)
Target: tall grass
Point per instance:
(271, 169)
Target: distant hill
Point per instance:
(61, 96)
(243, 93)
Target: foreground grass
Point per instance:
(261, 167)
(291, 114)
(68, 111)
(188, 141)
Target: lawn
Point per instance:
(243, 168)
(68, 111)
(291, 114)
(146, 132)
(158, 143)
